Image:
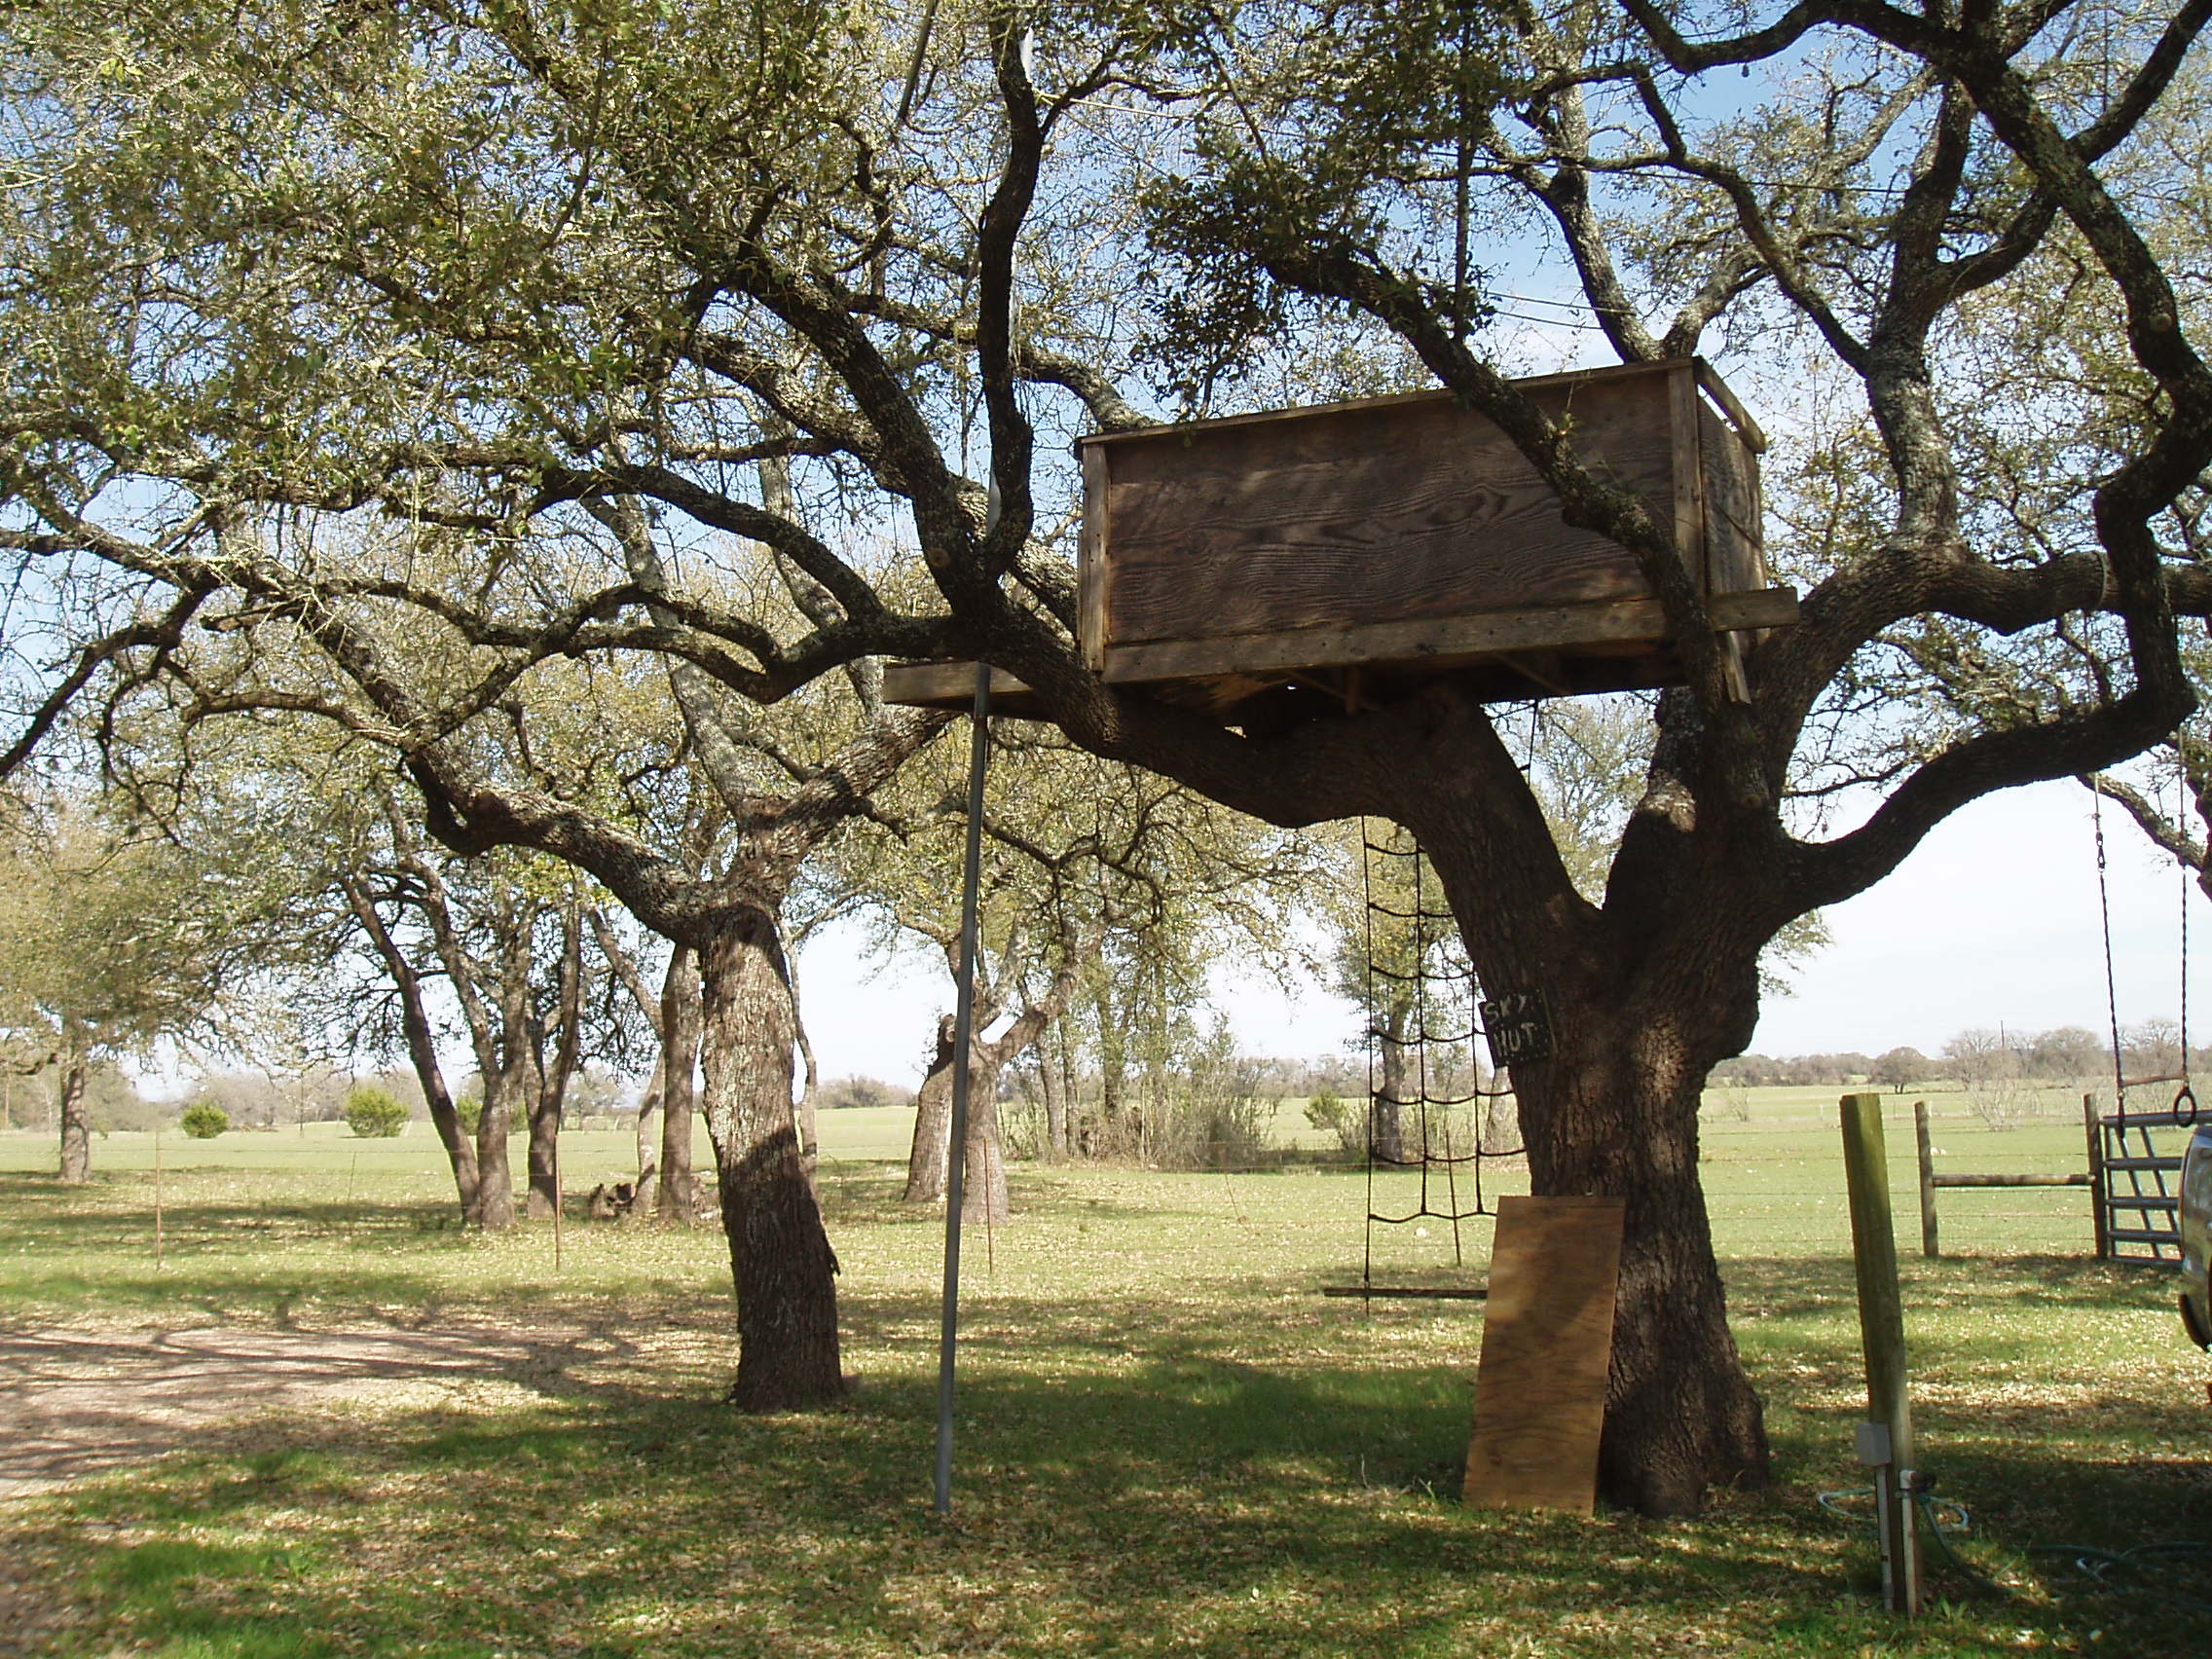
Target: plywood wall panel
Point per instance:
(1400, 513)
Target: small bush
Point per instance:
(203, 1119)
(470, 1111)
(1326, 1110)
(374, 1115)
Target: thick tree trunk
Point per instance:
(1390, 1100)
(1615, 1112)
(1644, 998)
(780, 1257)
(680, 1021)
(928, 1160)
(544, 1153)
(76, 1128)
(983, 1190)
(1053, 1078)
(492, 1207)
(983, 1178)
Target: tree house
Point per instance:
(1267, 565)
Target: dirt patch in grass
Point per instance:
(88, 1400)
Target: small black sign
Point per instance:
(1518, 1026)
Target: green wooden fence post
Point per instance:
(1881, 1331)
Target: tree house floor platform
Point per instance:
(1273, 679)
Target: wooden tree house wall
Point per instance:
(1265, 567)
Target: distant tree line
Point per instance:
(1978, 1057)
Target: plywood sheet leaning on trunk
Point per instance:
(1547, 1346)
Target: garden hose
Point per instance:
(2145, 1569)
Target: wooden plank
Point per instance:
(1732, 511)
(1683, 414)
(1547, 1349)
(1440, 643)
(1717, 388)
(947, 686)
(1391, 400)
(1881, 1332)
(1389, 515)
(1093, 565)
(1927, 1228)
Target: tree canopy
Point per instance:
(461, 326)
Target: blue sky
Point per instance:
(1993, 921)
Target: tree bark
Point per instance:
(928, 1161)
(680, 1022)
(983, 1190)
(544, 1144)
(646, 1193)
(76, 1128)
(982, 1182)
(1390, 1100)
(1641, 1011)
(422, 1042)
(492, 1207)
(1615, 1112)
(552, 1093)
(1052, 1081)
(780, 1257)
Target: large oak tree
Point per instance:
(558, 279)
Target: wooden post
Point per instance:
(1881, 1331)
(556, 1197)
(2100, 1213)
(1927, 1243)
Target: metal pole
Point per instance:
(1881, 1329)
(963, 1032)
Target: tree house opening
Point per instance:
(1265, 567)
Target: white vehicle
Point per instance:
(2196, 1221)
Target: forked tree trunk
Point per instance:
(927, 1159)
(781, 1262)
(679, 1024)
(1643, 1000)
(983, 1177)
(76, 1128)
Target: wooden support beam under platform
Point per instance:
(1548, 651)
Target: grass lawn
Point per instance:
(1168, 1442)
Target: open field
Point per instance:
(392, 1437)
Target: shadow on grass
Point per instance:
(1176, 1503)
